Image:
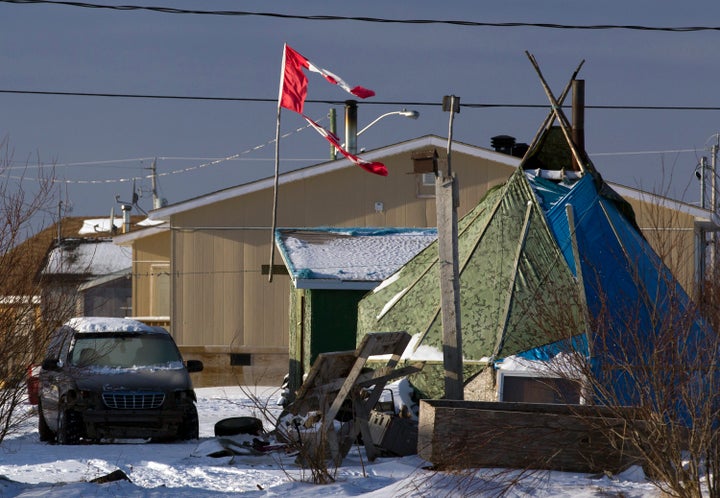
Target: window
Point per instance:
(425, 166)
(526, 389)
(425, 185)
(124, 350)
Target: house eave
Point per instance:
(319, 169)
(318, 284)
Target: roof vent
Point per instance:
(503, 143)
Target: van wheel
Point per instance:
(45, 433)
(69, 426)
(190, 426)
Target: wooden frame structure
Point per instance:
(339, 376)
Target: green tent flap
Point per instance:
(516, 292)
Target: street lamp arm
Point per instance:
(404, 112)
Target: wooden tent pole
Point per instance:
(559, 114)
(551, 115)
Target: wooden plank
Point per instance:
(518, 435)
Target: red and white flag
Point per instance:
(370, 166)
(293, 89)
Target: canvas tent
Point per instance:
(546, 262)
(510, 267)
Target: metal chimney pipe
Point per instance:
(578, 119)
(126, 208)
(351, 126)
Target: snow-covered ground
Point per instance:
(30, 468)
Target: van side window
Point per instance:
(59, 343)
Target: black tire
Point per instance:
(46, 434)
(190, 427)
(69, 426)
(239, 425)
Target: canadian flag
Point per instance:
(370, 166)
(293, 89)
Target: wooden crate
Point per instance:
(469, 434)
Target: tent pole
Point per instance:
(551, 115)
(562, 119)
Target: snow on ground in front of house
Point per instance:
(29, 468)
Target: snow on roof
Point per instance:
(357, 258)
(107, 324)
(99, 225)
(87, 256)
(147, 222)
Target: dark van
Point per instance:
(107, 378)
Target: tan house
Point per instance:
(204, 272)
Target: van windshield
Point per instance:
(124, 350)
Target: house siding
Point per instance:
(153, 250)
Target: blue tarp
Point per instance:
(630, 294)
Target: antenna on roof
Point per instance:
(59, 222)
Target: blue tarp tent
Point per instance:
(638, 312)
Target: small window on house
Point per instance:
(425, 166)
(160, 289)
(426, 185)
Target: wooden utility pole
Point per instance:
(446, 199)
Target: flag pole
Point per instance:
(273, 226)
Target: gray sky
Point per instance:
(97, 142)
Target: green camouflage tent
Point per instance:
(516, 291)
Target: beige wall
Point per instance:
(672, 236)
(150, 255)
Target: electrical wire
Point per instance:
(213, 162)
(481, 105)
(452, 22)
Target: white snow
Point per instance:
(107, 324)
(184, 469)
(88, 256)
(99, 225)
(361, 254)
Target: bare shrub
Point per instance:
(24, 200)
(652, 365)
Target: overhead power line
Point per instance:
(453, 22)
(342, 102)
(208, 163)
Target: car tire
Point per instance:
(190, 426)
(239, 425)
(69, 426)
(46, 434)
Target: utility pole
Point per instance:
(446, 199)
(153, 178)
(59, 223)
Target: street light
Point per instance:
(404, 112)
(351, 123)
